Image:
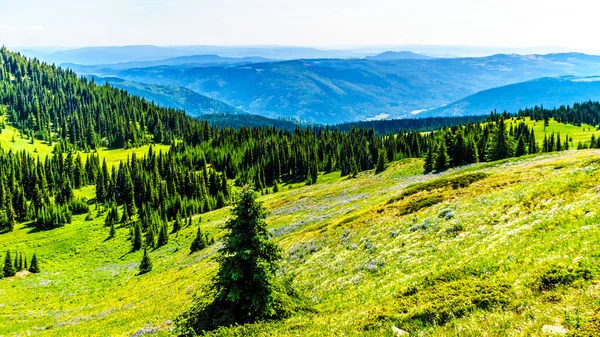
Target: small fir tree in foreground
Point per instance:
(146, 264)
(247, 288)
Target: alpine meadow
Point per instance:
(317, 168)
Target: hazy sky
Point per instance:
(324, 23)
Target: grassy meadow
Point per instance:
(492, 249)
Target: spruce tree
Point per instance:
(9, 268)
(177, 224)
(112, 233)
(199, 242)
(442, 162)
(381, 161)
(145, 264)
(34, 265)
(246, 284)
(429, 159)
(520, 151)
(137, 236)
(500, 145)
(125, 217)
(163, 235)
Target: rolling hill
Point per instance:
(547, 92)
(335, 90)
(398, 55)
(119, 54)
(181, 61)
(172, 97)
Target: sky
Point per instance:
(318, 23)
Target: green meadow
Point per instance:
(491, 249)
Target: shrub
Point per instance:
(557, 275)
(461, 181)
(442, 302)
(79, 206)
(591, 327)
(416, 205)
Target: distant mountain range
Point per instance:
(120, 54)
(343, 90)
(547, 92)
(191, 61)
(173, 97)
(398, 55)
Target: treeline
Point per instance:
(577, 114)
(490, 141)
(388, 126)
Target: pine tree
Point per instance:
(500, 145)
(33, 266)
(520, 151)
(381, 161)
(533, 149)
(442, 162)
(163, 235)
(9, 268)
(199, 242)
(146, 263)
(177, 224)
(113, 231)
(137, 236)
(246, 281)
(429, 159)
(125, 217)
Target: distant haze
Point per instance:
(336, 24)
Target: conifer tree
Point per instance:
(146, 263)
(125, 217)
(34, 267)
(163, 235)
(199, 242)
(500, 145)
(113, 231)
(442, 162)
(533, 149)
(137, 236)
(381, 161)
(429, 160)
(177, 224)
(246, 283)
(9, 268)
(520, 150)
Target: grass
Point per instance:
(12, 139)
(576, 133)
(502, 255)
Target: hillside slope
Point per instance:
(335, 90)
(172, 97)
(514, 248)
(549, 92)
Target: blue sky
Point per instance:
(321, 23)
